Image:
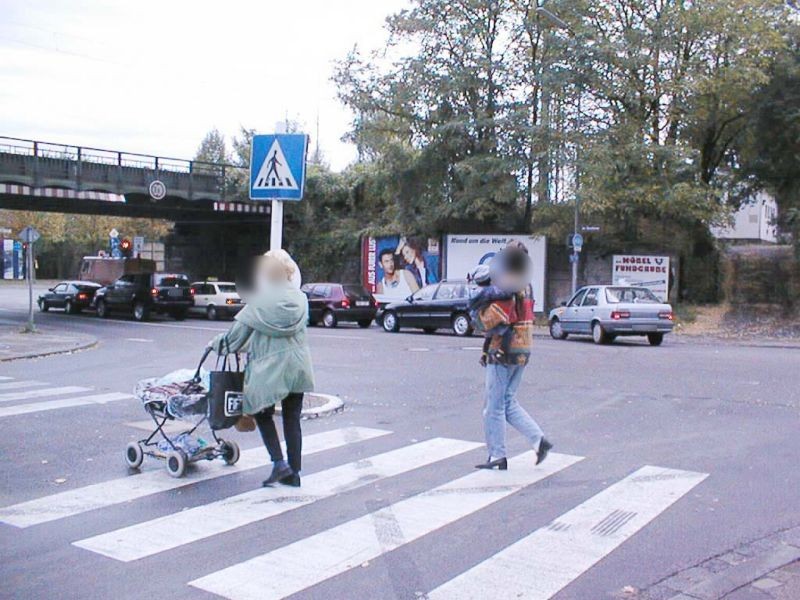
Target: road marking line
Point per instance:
(334, 551)
(6, 378)
(540, 565)
(139, 340)
(70, 389)
(133, 487)
(201, 522)
(26, 409)
(15, 385)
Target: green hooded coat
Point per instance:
(272, 330)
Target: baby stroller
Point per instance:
(167, 399)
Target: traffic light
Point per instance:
(126, 247)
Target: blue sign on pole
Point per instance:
(577, 242)
(278, 166)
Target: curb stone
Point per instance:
(332, 404)
(87, 345)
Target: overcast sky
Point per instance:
(153, 76)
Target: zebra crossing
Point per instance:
(24, 397)
(535, 566)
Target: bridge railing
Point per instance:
(36, 163)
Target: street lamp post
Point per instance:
(574, 258)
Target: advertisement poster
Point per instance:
(396, 266)
(651, 272)
(465, 252)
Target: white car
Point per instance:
(608, 311)
(216, 299)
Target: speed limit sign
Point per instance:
(158, 190)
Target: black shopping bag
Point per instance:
(225, 394)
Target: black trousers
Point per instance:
(291, 407)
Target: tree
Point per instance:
(771, 153)
(213, 149)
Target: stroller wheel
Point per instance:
(230, 452)
(134, 455)
(176, 463)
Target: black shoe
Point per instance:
(500, 463)
(277, 474)
(292, 480)
(544, 448)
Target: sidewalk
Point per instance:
(15, 345)
(765, 569)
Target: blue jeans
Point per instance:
(502, 383)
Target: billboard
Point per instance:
(651, 272)
(396, 266)
(465, 252)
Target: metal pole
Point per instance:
(31, 327)
(276, 231)
(576, 226)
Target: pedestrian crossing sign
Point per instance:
(278, 166)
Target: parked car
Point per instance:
(216, 299)
(608, 311)
(436, 306)
(332, 303)
(72, 296)
(143, 294)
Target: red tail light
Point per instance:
(191, 291)
(668, 315)
(154, 292)
(345, 303)
(82, 296)
(620, 314)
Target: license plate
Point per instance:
(362, 303)
(176, 293)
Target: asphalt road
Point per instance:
(663, 457)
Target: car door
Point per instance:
(121, 292)
(588, 310)
(418, 312)
(317, 300)
(59, 296)
(569, 318)
(444, 303)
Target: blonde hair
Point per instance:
(276, 266)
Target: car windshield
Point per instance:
(226, 288)
(172, 280)
(616, 295)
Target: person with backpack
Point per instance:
(504, 311)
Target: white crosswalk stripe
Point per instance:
(39, 398)
(536, 566)
(56, 391)
(16, 385)
(337, 550)
(126, 489)
(25, 409)
(543, 563)
(172, 531)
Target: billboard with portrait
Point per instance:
(396, 266)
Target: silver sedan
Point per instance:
(608, 311)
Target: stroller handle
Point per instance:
(196, 377)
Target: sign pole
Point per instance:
(31, 327)
(276, 231)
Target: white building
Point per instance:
(755, 222)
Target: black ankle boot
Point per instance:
(499, 463)
(544, 448)
(292, 480)
(278, 473)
